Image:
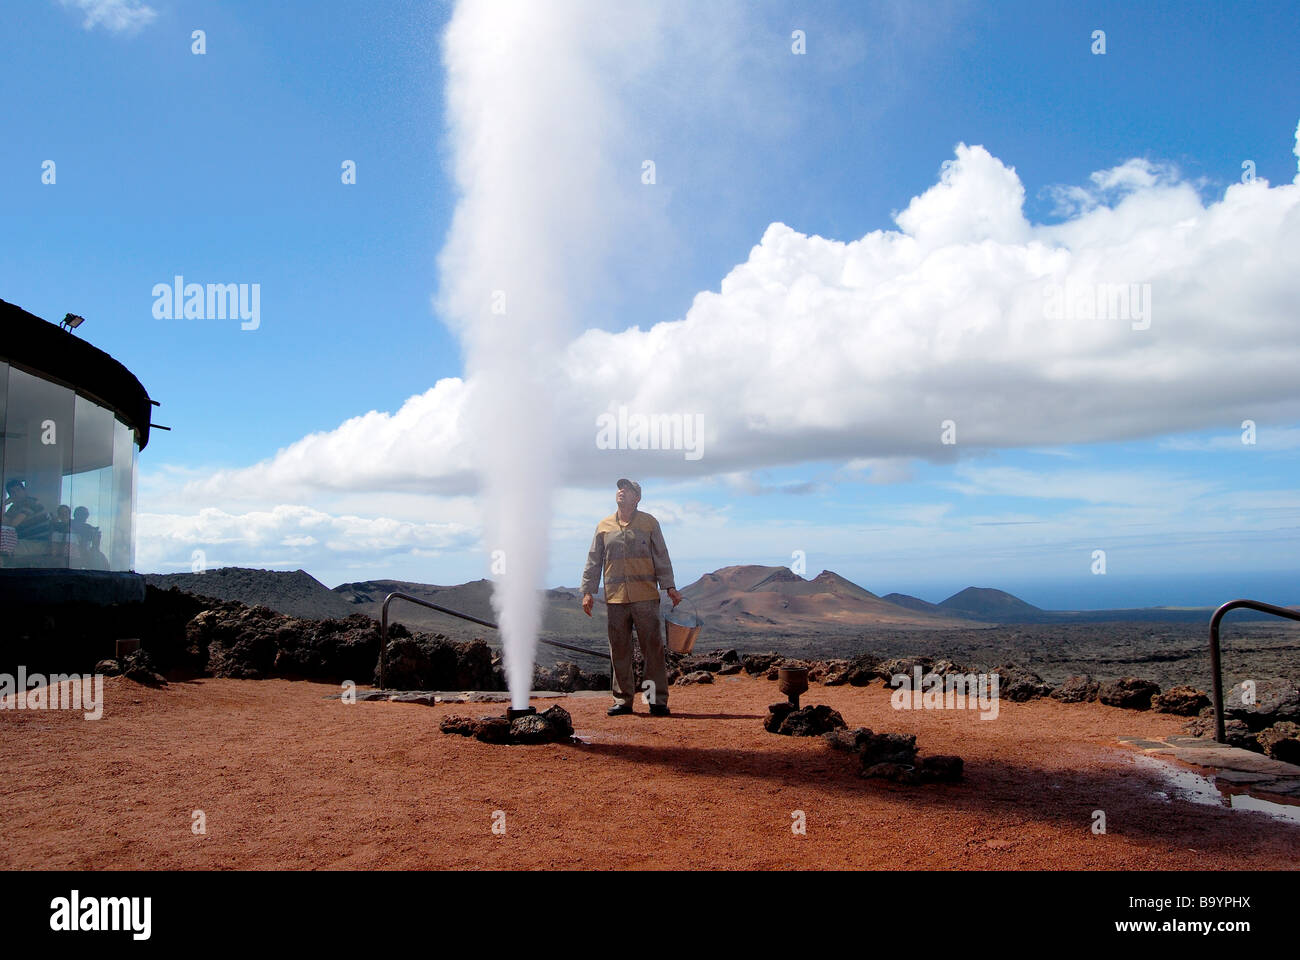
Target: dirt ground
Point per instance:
(286, 778)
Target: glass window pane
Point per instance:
(38, 444)
(119, 554)
(135, 484)
(88, 491)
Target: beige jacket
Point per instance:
(633, 558)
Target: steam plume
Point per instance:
(532, 111)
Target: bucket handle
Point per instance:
(694, 609)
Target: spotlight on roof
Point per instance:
(71, 321)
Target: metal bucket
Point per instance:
(683, 628)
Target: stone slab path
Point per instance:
(1231, 765)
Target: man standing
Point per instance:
(629, 549)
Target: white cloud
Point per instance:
(1137, 173)
(118, 16)
(1151, 489)
(852, 354)
(303, 536)
(815, 349)
(878, 470)
(1266, 438)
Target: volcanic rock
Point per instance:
(138, 666)
(875, 748)
(811, 721)
(888, 748)
(696, 663)
(1235, 732)
(831, 673)
(906, 666)
(756, 663)
(862, 670)
(566, 677)
(1238, 734)
(1182, 701)
(532, 728)
(559, 718)
(552, 725)
(944, 667)
(776, 714)
(697, 676)
(1282, 741)
(423, 662)
(1079, 688)
(493, 730)
(897, 772)
(240, 641)
(851, 740)
(941, 768)
(1275, 700)
(228, 639)
(1019, 685)
(464, 726)
(343, 649)
(1131, 693)
(729, 662)
(936, 769)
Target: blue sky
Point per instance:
(225, 167)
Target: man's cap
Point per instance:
(625, 482)
(17, 482)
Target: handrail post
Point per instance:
(383, 645)
(1220, 734)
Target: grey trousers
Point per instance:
(649, 631)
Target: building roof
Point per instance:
(46, 349)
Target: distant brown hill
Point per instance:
(986, 603)
(294, 593)
(759, 597)
(913, 603)
(979, 603)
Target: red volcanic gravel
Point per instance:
(289, 779)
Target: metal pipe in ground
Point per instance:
(383, 631)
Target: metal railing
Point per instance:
(383, 632)
(1215, 664)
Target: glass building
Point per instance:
(73, 420)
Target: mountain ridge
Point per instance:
(737, 598)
